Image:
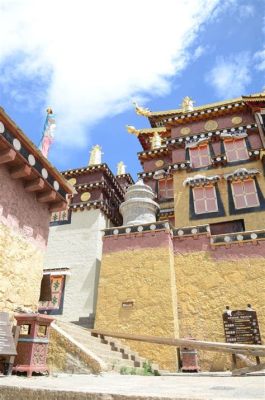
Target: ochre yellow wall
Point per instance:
(147, 277)
(205, 285)
(21, 265)
(254, 220)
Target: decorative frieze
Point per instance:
(140, 228)
(242, 173)
(32, 162)
(228, 132)
(201, 180)
(238, 238)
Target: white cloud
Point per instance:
(230, 76)
(89, 58)
(246, 10)
(260, 57)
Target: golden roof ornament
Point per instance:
(141, 111)
(187, 104)
(121, 168)
(95, 155)
(156, 141)
(132, 129)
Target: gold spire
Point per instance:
(132, 129)
(95, 155)
(187, 104)
(140, 110)
(121, 168)
(156, 141)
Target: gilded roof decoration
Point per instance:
(141, 110)
(132, 129)
(187, 104)
(253, 98)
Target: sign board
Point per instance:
(241, 326)
(7, 345)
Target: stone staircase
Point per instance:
(113, 353)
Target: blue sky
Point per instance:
(90, 61)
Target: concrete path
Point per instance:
(109, 386)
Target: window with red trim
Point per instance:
(236, 149)
(245, 194)
(166, 188)
(205, 200)
(200, 156)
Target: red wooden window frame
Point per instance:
(205, 199)
(236, 149)
(166, 188)
(245, 194)
(200, 156)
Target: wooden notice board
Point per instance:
(241, 326)
(7, 345)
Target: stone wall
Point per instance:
(78, 246)
(24, 226)
(207, 280)
(144, 277)
(177, 294)
(21, 266)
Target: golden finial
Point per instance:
(156, 141)
(121, 168)
(187, 104)
(49, 110)
(132, 129)
(140, 110)
(95, 155)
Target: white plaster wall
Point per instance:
(78, 246)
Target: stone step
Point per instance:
(115, 354)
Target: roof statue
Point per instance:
(132, 129)
(48, 133)
(156, 141)
(140, 110)
(95, 155)
(187, 104)
(121, 168)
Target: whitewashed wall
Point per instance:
(78, 246)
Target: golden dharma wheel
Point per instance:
(185, 131)
(85, 196)
(236, 120)
(211, 125)
(159, 163)
(72, 181)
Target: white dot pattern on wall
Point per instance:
(44, 173)
(2, 127)
(56, 185)
(16, 144)
(31, 159)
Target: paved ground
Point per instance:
(112, 386)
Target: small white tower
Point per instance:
(95, 155)
(139, 206)
(121, 168)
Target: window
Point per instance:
(236, 150)
(200, 156)
(57, 288)
(245, 194)
(166, 188)
(205, 200)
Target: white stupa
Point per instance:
(139, 206)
